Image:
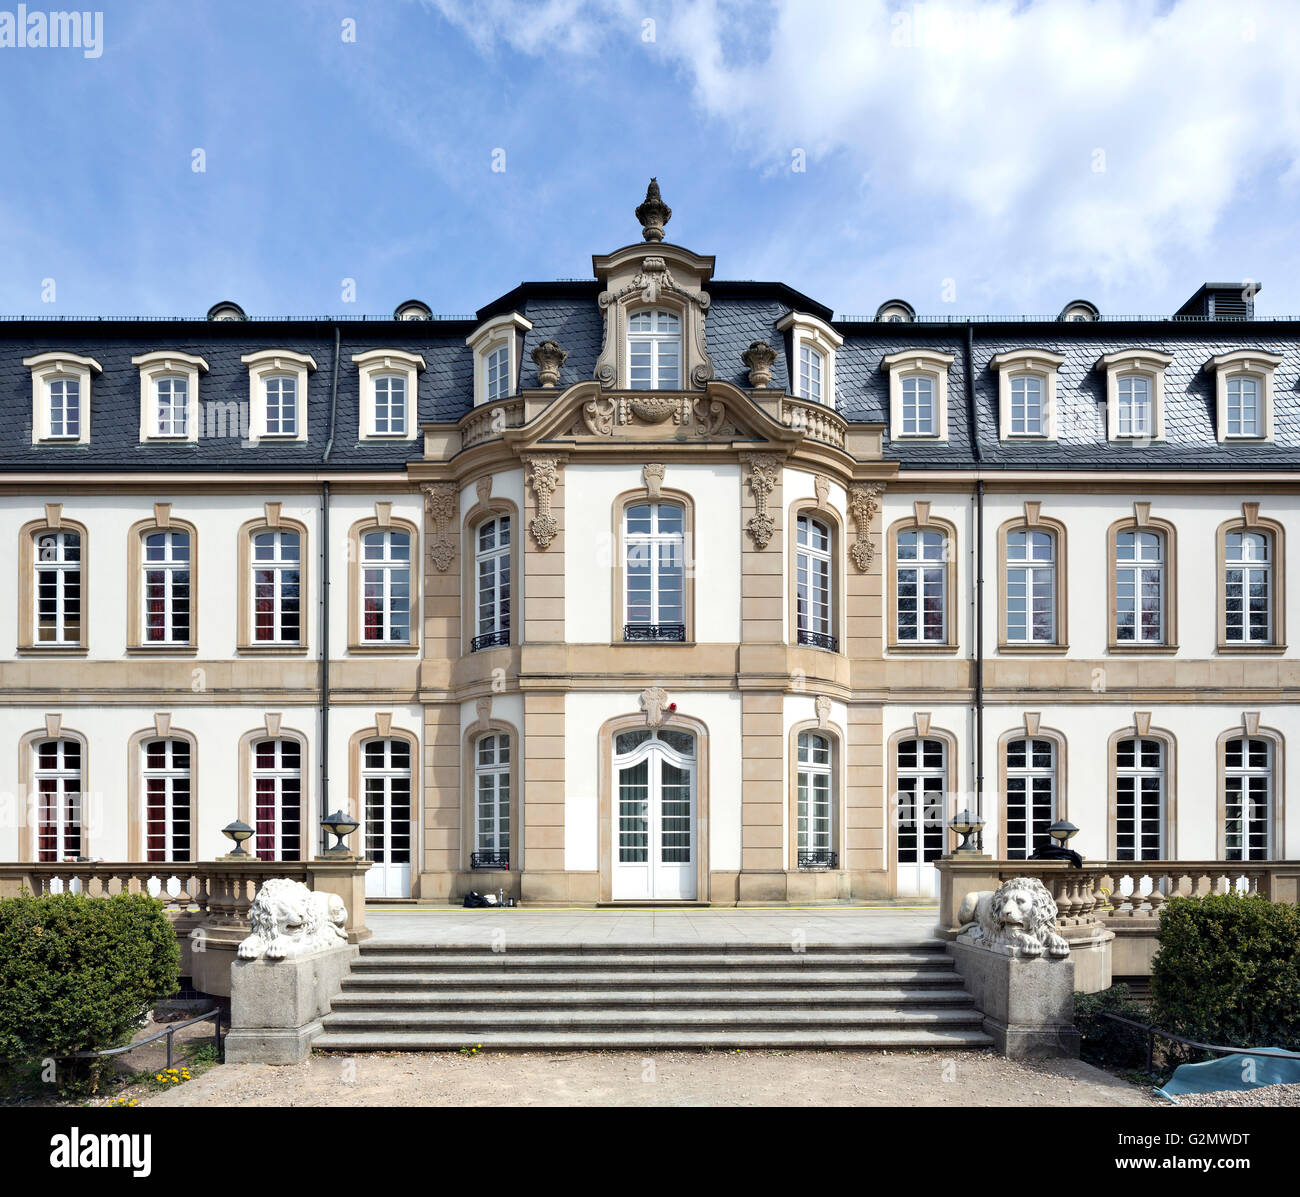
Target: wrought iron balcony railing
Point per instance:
(819, 640)
(489, 860)
(819, 858)
(655, 631)
(491, 640)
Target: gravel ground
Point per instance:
(1265, 1095)
(751, 1078)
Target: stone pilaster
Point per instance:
(542, 800)
(865, 805)
(442, 800)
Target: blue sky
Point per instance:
(971, 158)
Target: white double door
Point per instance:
(655, 843)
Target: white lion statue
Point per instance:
(1018, 918)
(288, 919)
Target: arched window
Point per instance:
(654, 556)
(277, 586)
(492, 583)
(1248, 587)
(921, 593)
(1031, 794)
(1249, 765)
(277, 799)
(57, 586)
(922, 780)
(168, 817)
(815, 584)
(815, 802)
(654, 350)
(386, 795)
(1140, 798)
(386, 586)
(1031, 586)
(491, 802)
(166, 586)
(1140, 587)
(57, 778)
(390, 405)
(812, 370)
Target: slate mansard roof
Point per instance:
(740, 313)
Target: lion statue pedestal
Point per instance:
(1018, 969)
(286, 973)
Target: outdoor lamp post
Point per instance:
(966, 824)
(237, 832)
(340, 826)
(1062, 831)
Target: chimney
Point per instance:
(1221, 301)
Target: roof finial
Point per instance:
(653, 213)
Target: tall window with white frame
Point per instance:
(58, 589)
(812, 372)
(1027, 405)
(491, 802)
(654, 350)
(922, 778)
(815, 805)
(1248, 798)
(922, 582)
(277, 799)
(386, 587)
(172, 415)
(1243, 407)
(918, 405)
(654, 547)
(1140, 798)
(57, 777)
(277, 587)
(390, 405)
(65, 408)
(165, 772)
(497, 377)
(1031, 777)
(814, 584)
(492, 582)
(1031, 586)
(1248, 588)
(281, 405)
(1139, 587)
(166, 583)
(386, 783)
(1136, 415)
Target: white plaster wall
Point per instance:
(586, 713)
(589, 494)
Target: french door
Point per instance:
(386, 782)
(654, 849)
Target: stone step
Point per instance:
(703, 995)
(507, 1039)
(616, 979)
(653, 947)
(506, 961)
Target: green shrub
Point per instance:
(1111, 1044)
(1227, 971)
(79, 974)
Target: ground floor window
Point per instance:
(57, 776)
(167, 816)
(1248, 798)
(277, 793)
(1031, 779)
(815, 805)
(386, 784)
(1139, 798)
(922, 773)
(492, 802)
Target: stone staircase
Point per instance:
(416, 997)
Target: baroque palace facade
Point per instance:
(651, 587)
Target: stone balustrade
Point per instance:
(817, 421)
(488, 421)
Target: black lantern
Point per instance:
(966, 825)
(340, 826)
(237, 832)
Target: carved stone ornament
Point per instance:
(823, 705)
(653, 473)
(483, 709)
(544, 477)
(760, 358)
(762, 481)
(1016, 919)
(289, 920)
(651, 283)
(440, 499)
(654, 701)
(864, 502)
(483, 488)
(653, 213)
(548, 357)
(691, 414)
(822, 485)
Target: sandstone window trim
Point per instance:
(835, 771)
(1276, 534)
(357, 645)
(272, 730)
(948, 530)
(167, 366)
(1148, 364)
(1169, 784)
(916, 365)
(264, 366)
(1277, 787)
(1059, 774)
(1168, 533)
(1041, 364)
(490, 509)
(1256, 364)
(136, 641)
(137, 801)
(1060, 642)
(501, 332)
(804, 329)
(647, 495)
(375, 366)
(247, 565)
(29, 643)
(892, 793)
(66, 370)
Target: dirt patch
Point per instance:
(749, 1078)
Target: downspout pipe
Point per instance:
(325, 593)
(979, 581)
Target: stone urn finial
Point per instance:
(653, 213)
(759, 357)
(548, 357)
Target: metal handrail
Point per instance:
(214, 1013)
(1152, 1031)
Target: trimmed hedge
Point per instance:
(1110, 1044)
(80, 974)
(1227, 971)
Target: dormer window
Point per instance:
(918, 393)
(278, 394)
(1135, 394)
(813, 343)
(654, 350)
(1135, 409)
(61, 397)
(1244, 394)
(388, 380)
(169, 395)
(497, 347)
(1027, 393)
